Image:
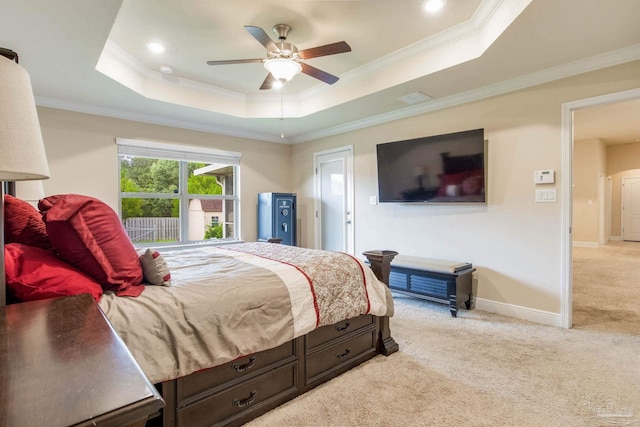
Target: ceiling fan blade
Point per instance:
(234, 61)
(264, 39)
(318, 74)
(328, 49)
(268, 82)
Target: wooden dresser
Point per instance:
(236, 392)
(62, 364)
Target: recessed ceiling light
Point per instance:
(165, 69)
(155, 47)
(433, 6)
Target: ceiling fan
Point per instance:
(284, 60)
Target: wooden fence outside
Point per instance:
(147, 229)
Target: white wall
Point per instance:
(513, 241)
(592, 160)
(589, 168)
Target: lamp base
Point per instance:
(3, 281)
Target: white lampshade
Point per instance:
(22, 154)
(282, 69)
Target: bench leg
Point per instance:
(453, 306)
(467, 303)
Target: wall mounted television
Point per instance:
(449, 168)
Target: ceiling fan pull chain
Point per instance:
(282, 113)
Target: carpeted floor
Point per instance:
(606, 288)
(482, 369)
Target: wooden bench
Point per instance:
(444, 281)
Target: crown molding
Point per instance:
(112, 53)
(453, 46)
(145, 118)
(464, 41)
(608, 59)
(463, 30)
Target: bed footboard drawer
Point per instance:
(194, 386)
(340, 329)
(340, 356)
(255, 396)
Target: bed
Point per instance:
(225, 332)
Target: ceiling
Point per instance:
(617, 123)
(469, 50)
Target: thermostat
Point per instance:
(544, 177)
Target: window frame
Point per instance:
(184, 154)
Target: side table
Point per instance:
(62, 364)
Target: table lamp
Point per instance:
(30, 191)
(22, 154)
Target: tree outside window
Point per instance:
(164, 201)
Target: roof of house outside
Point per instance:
(211, 205)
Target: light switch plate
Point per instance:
(546, 196)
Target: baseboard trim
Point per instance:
(519, 312)
(586, 244)
(616, 238)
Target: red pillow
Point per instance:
(23, 224)
(34, 273)
(88, 234)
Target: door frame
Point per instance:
(566, 192)
(349, 180)
(602, 197)
(622, 204)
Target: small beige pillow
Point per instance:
(155, 268)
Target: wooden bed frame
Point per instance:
(239, 391)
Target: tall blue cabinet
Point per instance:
(277, 217)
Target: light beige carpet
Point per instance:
(482, 369)
(606, 288)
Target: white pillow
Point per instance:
(154, 268)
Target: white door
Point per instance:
(631, 209)
(334, 200)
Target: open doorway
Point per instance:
(598, 134)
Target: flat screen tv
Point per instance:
(446, 168)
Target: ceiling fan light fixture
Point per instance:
(282, 69)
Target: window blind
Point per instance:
(161, 150)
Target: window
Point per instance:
(178, 194)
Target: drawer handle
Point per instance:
(343, 328)
(345, 354)
(245, 402)
(246, 366)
